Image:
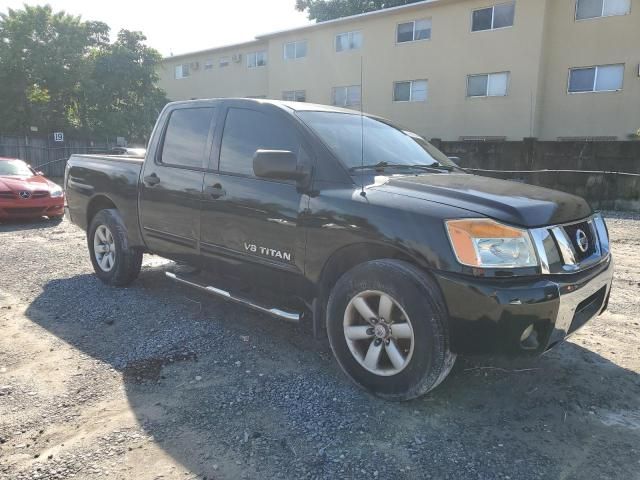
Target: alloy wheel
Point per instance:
(378, 333)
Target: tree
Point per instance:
(120, 92)
(58, 72)
(323, 10)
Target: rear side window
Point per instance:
(246, 131)
(185, 140)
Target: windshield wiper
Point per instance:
(382, 165)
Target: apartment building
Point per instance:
(449, 69)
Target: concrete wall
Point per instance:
(570, 166)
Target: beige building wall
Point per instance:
(584, 43)
(235, 80)
(544, 42)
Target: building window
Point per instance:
(208, 64)
(410, 91)
(602, 78)
(346, 96)
(413, 31)
(348, 41)
(182, 71)
(294, 96)
(488, 85)
(601, 8)
(492, 18)
(224, 61)
(295, 50)
(256, 59)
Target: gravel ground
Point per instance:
(156, 381)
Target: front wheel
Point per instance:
(388, 329)
(114, 261)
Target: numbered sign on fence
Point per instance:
(58, 137)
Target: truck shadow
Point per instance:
(25, 225)
(216, 384)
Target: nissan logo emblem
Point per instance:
(24, 194)
(582, 240)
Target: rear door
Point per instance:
(171, 184)
(253, 225)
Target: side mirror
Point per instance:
(38, 172)
(277, 165)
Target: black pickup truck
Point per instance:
(312, 213)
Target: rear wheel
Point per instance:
(388, 329)
(114, 261)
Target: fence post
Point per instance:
(529, 144)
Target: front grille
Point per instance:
(24, 211)
(7, 195)
(572, 233)
(39, 194)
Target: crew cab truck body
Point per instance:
(311, 212)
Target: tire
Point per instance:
(124, 262)
(416, 335)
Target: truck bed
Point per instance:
(92, 180)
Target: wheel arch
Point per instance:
(343, 260)
(97, 203)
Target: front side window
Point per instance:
(347, 96)
(295, 50)
(348, 41)
(185, 139)
(294, 96)
(247, 131)
(410, 91)
(257, 59)
(488, 85)
(492, 18)
(413, 31)
(182, 71)
(602, 78)
(586, 9)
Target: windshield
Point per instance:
(383, 143)
(15, 167)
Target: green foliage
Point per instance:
(58, 72)
(323, 10)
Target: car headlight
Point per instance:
(56, 192)
(486, 243)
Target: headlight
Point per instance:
(488, 244)
(56, 192)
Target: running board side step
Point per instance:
(274, 312)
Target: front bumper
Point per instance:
(491, 315)
(52, 207)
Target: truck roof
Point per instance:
(295, 106)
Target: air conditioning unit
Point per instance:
(237, 58)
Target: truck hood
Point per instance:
(507, 201)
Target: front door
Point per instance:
(171, 184)
(251, 225)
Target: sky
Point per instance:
(181, 26)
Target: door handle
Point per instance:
(216, 191)
(151, 180)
